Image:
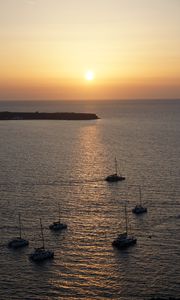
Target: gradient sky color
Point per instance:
(133, 47)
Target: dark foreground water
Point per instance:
(43, 163)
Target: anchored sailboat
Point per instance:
(58, 225)
(139, 209)
(41, 254)
(124, 240)
(18, 242)
(115, 177)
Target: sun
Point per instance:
(89, 75)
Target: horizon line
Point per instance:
(84, 100)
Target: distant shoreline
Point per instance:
(7, 115)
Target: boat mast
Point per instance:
(20, 225)
(140, 195)
(42, 233)
(126, 219)
(59, 211)
(115, 166)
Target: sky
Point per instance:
(132, 48)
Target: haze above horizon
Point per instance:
(98, 49)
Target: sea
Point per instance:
(46, 164)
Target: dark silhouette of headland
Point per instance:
(7, 115)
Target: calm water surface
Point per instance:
(43, 163)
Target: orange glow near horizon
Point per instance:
(133, 48)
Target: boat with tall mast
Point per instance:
(41, 254)
(139, 209)
(18, 242)
(57, 226)
(124, 240)
(115, 177)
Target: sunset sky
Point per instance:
(132, 48)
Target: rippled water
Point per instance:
(43, 163)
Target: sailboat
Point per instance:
(58, 225)
(115, 177)
(41, 254)
(124, 240)
(18, 242)
(139, 209)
